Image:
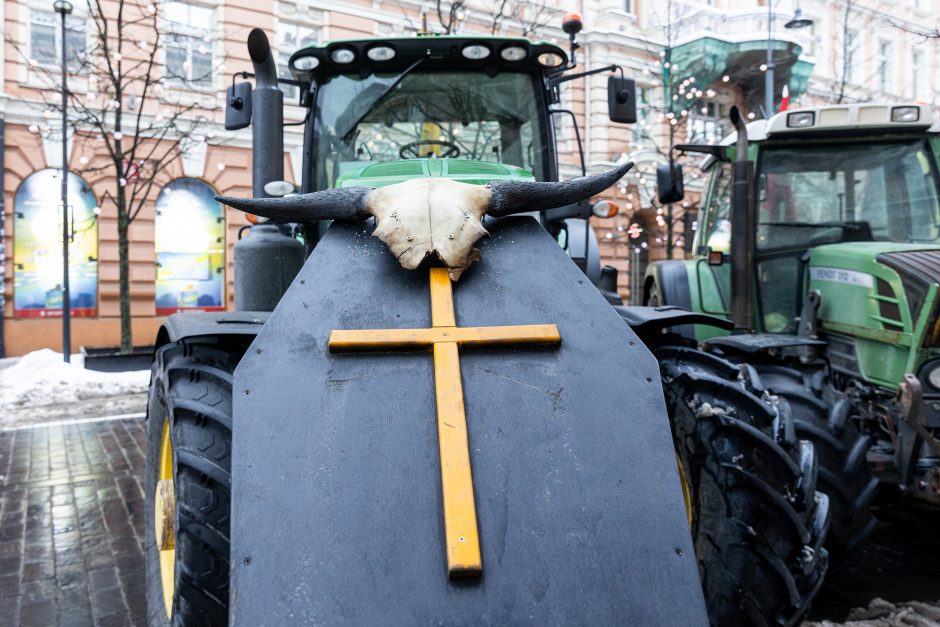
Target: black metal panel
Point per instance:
(337, 514)
(654, 319)
(182, 325)
(750, 343)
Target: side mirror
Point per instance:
(238, 106)
(669, 182)
(621, 99)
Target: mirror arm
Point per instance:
(557, 80)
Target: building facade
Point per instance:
(692, 61)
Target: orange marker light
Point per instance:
(572, 23)
(605, 209)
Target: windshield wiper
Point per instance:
(851, 226)
(382, 96)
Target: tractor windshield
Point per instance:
(845, 192)
(458, 114)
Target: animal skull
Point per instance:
(423, 218)
(427, 217)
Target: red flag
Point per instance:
(785, 99)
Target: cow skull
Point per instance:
(428, 217)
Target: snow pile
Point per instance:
(42, 378)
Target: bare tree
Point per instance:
(450, 14)
(128, 117)
(849, 50)
(534, 15)
(502, 11)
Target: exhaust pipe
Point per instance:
(267, 124)
(743, 225)
(267, 259)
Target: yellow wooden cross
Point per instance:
(445, 337)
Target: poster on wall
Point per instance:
(190, 245)
(37, 247)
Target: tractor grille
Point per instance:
(888, 309)
(842, 356)
(918, 271)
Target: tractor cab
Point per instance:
(476, 103)
(471, 109)
(482, 103)
(822, 179)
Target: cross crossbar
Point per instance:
(446, 338)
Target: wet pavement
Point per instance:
(900, 562)
(71, 529)
(71, 524)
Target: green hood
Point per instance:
(463, 170)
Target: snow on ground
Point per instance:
(881, 613)
(40, 386)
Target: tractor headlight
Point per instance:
(513, 53)
(305, 64)
(905, 114)
(801, 119)
(343, 55)
(381, 53)
(931, 373)
(550, 59)
(475, 52)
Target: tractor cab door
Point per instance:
(714, 234)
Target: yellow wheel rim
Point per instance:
(164, 502)
(686, 491)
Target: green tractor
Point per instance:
(826, 255)
(254, 513)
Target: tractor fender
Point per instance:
(645, 320)
(182, 326)
(672, 279)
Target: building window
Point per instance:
(37, 247)
(707, 123)
(628, 6)
(189, 44)
(189, 237)
(45, 37)
(291, 38)
(884, 66)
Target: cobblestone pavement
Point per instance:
(71, 524)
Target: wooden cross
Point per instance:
(445, 338)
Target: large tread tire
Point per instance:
(822, 415)
(191, 386)
(758, 523)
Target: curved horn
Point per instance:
(346, 204)
(511, 197)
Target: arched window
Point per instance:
(37, 247)
(190, 244)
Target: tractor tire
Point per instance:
(822, 416)
(758, 524)
(191, 397)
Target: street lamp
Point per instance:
(797, 21)
(64, 8)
